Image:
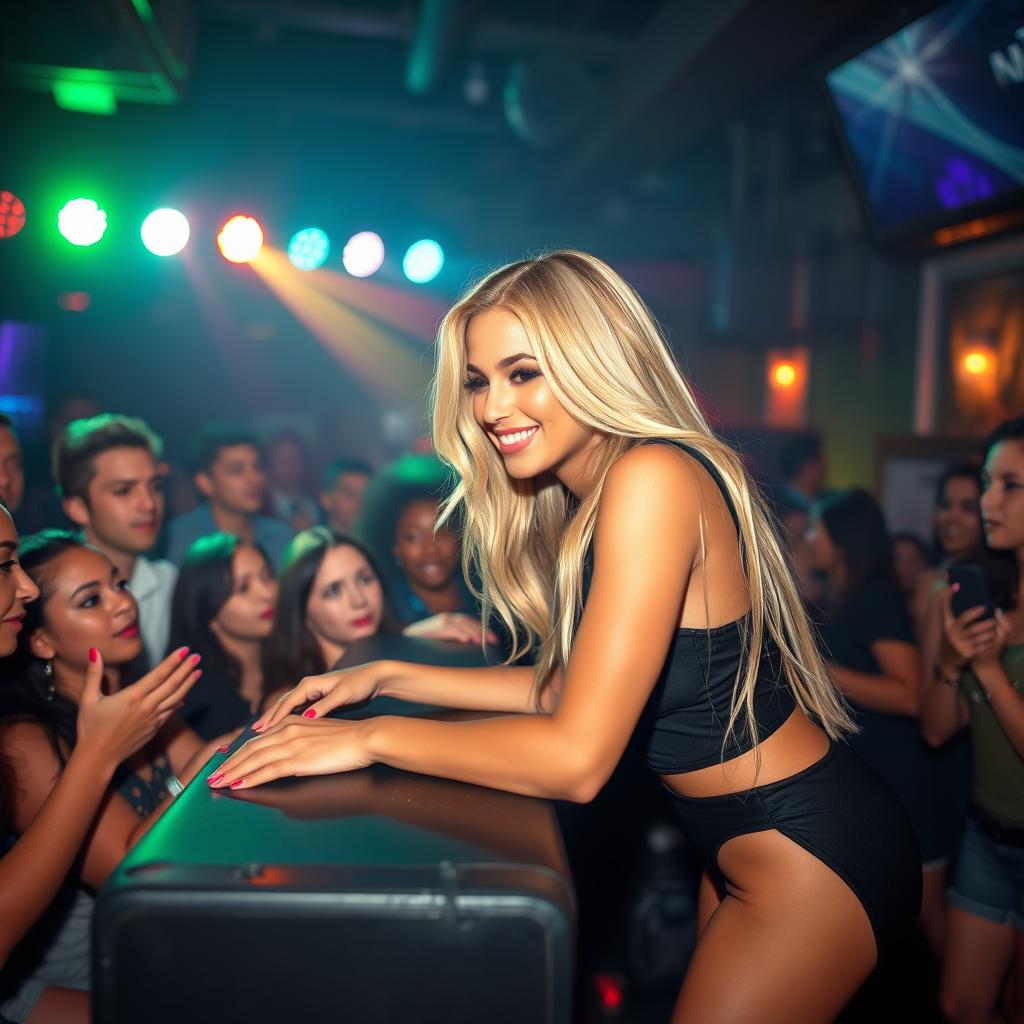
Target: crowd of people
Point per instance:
(133, 649)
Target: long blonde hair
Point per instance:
(606, 362)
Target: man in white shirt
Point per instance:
(108, 473)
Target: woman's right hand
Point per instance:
(455, 626)
(116, 726)
(966, 635)
(325, 693)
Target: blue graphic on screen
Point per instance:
(934, 115)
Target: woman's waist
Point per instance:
(797, 745)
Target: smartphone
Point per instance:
(973, 589)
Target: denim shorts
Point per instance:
(989, 879)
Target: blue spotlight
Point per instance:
(309, 248)
(423, 261)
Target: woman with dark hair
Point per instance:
(331, 594)
(421, 559)
(976, 683)
(223, 608)
(84, 622)
(869, 643)
(109, 729)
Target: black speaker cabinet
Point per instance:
(376, 896)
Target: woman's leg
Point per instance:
(61, 1006)
(1015, 1010)
(789, 944)
(933, 906)
(975, 959)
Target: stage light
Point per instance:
(74, 302)
(309, 249)
(363, 254)
(165, 232)
(96, 97)
(240, 240)
(976, 363)
(784, 375)
(423, 261)
(12, 214)
(82, 222)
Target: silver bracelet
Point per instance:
(174, 786)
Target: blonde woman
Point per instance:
(617, 536)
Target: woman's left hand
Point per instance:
(990, 654)
(320, 746)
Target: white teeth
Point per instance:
(519, 435)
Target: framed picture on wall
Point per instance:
(908, 469)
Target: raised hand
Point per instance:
(968, 634)
(117, 726)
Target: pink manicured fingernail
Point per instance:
(237, 783)
(955, 587)
(199, 672)
(182, 653)
(309, 713)
(215, 778)
(224, 749)
(93, 654)
(196, 658)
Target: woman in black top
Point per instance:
(869, 643)
(578, 443)
(223, 608)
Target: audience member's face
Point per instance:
(344, 500)
(90, 606)
(12, 474)
(286, 465)
(248, 614)
(958, 517)
(824, 555)
(513, 403)
(345, 602)
(814, 474)
(1002, 504)
(910, 562)
(427, 559)
(795, 521)
(236, 480)
(16, 589)
(125, 509)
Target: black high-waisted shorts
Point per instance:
(840, 811)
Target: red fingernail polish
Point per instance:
(182, 653)
(224, 749)
(93, 654)
(237, 783)
(199, 672)
(309, 713)
(196, 658)
(215, 778)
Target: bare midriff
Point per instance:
(794, 746)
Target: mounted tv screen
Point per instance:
(932, 117)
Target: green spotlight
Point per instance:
(165, 232)
(82, 222)
(85, 97)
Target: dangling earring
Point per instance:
(51, 688)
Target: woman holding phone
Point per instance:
(978, 683)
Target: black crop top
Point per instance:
(686, 716)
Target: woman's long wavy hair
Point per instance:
(604, 357)
(25, 695)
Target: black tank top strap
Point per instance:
(712, 469)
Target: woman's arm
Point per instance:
(32, 872)
(646, 543)
(895, 689)
(943, 709)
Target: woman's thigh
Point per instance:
(790, 942)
